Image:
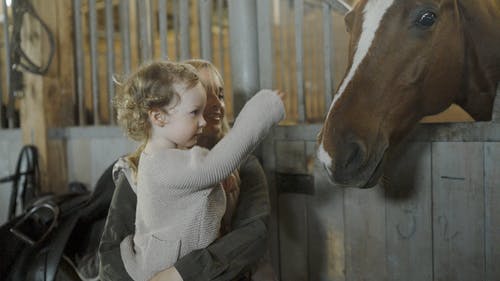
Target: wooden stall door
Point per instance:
(435, 218)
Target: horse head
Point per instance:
(407, 59)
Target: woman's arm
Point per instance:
(239, 250)
(119, 224)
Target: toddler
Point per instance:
(180, 202)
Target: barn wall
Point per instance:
(10, 146)
(436, 218)
(89, 152)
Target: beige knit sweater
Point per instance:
(180, 202)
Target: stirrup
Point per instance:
(21, 235)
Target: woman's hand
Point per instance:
(231, 186)
(169, 274)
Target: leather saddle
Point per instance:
(53, 230)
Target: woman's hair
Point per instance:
(210, 85)
(150, 87)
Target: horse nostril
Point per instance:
(354, 156)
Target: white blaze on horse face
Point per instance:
(372, 16)
(324, 157)
(373, 13)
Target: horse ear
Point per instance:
(349, 20)
(340, 6)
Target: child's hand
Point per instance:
(169, 274)
(280, 94)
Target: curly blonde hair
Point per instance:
(150, 87)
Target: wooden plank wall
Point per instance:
(458, 220)
(48, 100)
(492, 210)
(437, 218)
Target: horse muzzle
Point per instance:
(353, 166)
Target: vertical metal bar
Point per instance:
(309, 40)
(327, 54)
(152, 27)
(145, 30)
(80, 63)
(125, 35)
(162, 19)
(318, 85)
(137, 29)
(176, 28)
(220, 27)
(265, 39)
(205, 15)
(244, 51)
(283, 48)
(9, 67)
(299, 18)
(6, 40)
(94, 59)
(185, 45)
(290, 85)
(110, 48)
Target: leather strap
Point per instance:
(56, 248)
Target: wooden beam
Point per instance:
(134, 36)
(48, 100)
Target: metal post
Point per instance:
(125, 35)
(80, 64)
(145, 30)
(266, 65)
(175, 7)
(152, 24)
(244, 51)
(7, 57)
(220, 27)
(110, 48)
(205, 16)
(309, 65)
(299, 18)
(185, 42)
(283, 47)
(94, 60)
(162, 19)
(327, 54)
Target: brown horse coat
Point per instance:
(408, 59)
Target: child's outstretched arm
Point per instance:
(258, 116)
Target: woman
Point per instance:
(234, 255)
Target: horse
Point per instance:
(407, 59)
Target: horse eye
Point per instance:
(427, 19)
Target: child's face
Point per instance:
(185, 120)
